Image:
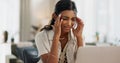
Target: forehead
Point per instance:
(68, 13)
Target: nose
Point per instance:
(69, 22)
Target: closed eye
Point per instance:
(65, 18)
(73, 19)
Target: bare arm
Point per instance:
(78, 32)
(52, 56)
(79, 41)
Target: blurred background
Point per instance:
(20, 20)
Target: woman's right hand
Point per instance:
(57, 26)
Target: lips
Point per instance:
(68, 28)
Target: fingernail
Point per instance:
(59, 15)
(61, 19)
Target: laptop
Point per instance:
(108, 54)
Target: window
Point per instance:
(9, 19)
(101, 17)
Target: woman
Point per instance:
(59, 41)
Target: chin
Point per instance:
(66, 31)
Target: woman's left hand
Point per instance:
(78, 31)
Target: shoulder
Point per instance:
(45, 34)
(40, 34)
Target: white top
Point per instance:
(44, 42)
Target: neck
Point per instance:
(64, 34)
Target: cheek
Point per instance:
(73, 23)
(64, 23)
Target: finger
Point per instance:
(79, 21)
(58, 19)
(73, 30)
(79, 27)
(61, 21)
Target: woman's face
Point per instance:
(69, 18)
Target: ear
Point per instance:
(54, 16)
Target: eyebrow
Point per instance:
(67, 17)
